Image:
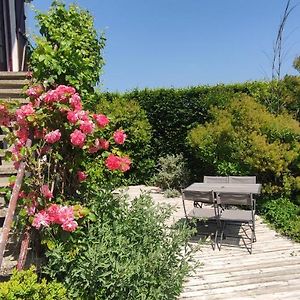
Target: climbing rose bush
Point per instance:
(62, 133)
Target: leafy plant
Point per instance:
(68, 50)
(127, 252)
(284, 215)
(25, 285)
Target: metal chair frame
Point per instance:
(202, 213)
(237, 216)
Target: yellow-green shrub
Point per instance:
(244, 138)
(25, 285)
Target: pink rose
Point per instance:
(64, 89)
(82, 115)
(101, 120)
(78, 138)
(70, 225)
(72, 117)
(53, 136)
(87, 126)
(46, 191)
(124, 164)
(113, 162)
(23, 112)
(41, 219)
(35, 91)
(103, 144)
(75, 102)
(119, 137)
(81, 176)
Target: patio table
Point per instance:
(249, 188)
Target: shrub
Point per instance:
(172, 173)
(25, 285)
(246, 139)
(127, 252)
(128, 115)
(68, 50)
(283, 215)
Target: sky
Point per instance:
(181, 43)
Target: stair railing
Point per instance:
(12, 206)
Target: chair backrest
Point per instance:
(215, 179)
(242, 179)
(235, 199)
(197, 196)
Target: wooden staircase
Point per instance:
(11, 89)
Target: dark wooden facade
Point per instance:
(12, 36)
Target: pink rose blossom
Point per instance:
(51, 97)
(78, 138)
(75, 102)
(46, 191)
(81, 176)
(35, 91)
(124, 164)
(70, 225)
(22, 134)
(53, 136)
(87, 127)
(104, 144)
(113, 162)
(63, 90)
(101, 120)
(72, 117)
(23, 112)
(41, 219)
(119, 137)
(82, 115)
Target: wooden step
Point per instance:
(12, 75)
(4, 182)
(16, 99)
(11, 93)
(14, 83)
(7, 170)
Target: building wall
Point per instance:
(12, 36)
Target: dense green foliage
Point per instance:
(126, 252)
(68, 50)
(25, 285)
(246, 139)
(284, 215)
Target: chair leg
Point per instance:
(222, 234)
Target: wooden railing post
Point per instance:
(12, 207)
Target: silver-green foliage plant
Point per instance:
(69, 48)
(127, 252)
(172, 172)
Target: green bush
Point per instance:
(25, 285)
(128, 115)
(127, 252)
(246, 139)
(68, 50)
(283, 215)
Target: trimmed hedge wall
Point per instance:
(173, 112)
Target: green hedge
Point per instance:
(172, 112)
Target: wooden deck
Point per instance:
(271, 272)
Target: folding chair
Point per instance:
(242, 179)
(201, 213)
(215, 179)
(241, 217)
